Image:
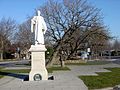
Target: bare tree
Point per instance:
(116, 46)
(24, 37)
(66, 18)
(7, 29)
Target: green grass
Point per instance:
(51, 69)
(0, 70)
(105, 79)
(6, 72)
(1, 76)
(4, 60)
(90, 63)
(23, 64)
(17, 71)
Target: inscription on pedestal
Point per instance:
(37, 77)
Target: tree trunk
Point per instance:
(1, 56)
(62, 63)
(54, 57)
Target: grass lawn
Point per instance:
(17, 71)
(105, 79)
(8, 60)
(50, 70)
(6, 72)
(0, 70)
(90, 63)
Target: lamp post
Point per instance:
(88, 51)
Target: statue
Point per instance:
(38, 70)
(38, 26)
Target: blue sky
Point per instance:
(20, 9)
(111, 13)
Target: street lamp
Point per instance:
(88, 51)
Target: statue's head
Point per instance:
(38, 12)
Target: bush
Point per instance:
(8, 55)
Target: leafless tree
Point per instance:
(116, 46)
(24, 36)
(7, 29)
(67, 17)
(98, 43)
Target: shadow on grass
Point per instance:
(16, 75)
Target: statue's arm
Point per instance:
(44, 26)
(32, 24)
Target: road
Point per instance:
(18, 63)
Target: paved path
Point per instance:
(64, 80)
(91, 69)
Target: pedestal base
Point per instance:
(37, 75)
(38, 69)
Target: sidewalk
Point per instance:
(64, 80)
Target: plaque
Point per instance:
(37, 77)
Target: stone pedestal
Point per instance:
(38, 69)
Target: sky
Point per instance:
(19, 10)
(111, 13)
